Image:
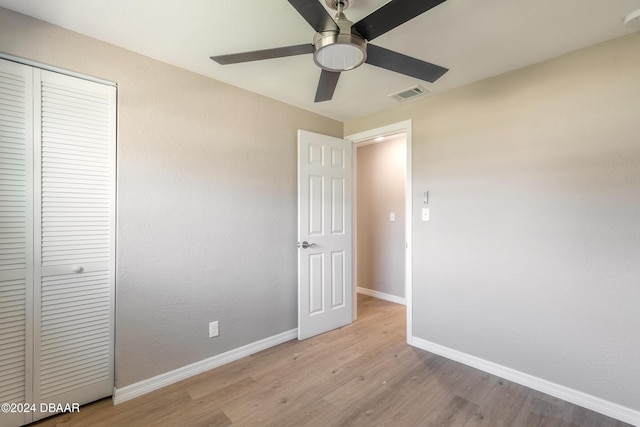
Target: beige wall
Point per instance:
(380, 190)
(531, 259)
(206, 202)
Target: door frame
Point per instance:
(357, 138)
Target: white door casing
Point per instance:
(405, 127)
(324, 233)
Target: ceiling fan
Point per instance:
(340, 45)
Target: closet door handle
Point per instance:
(77, 269)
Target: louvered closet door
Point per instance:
(16, 236)
(75, 254)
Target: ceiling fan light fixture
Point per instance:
(339, 51)
(340, 45)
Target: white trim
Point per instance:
(405, 127)
(354, 231)
(146, 386)
(408, 287)
(54, 69)
(579, 398)
(382, 295)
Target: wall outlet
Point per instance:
(213, 329)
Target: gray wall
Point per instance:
(206, 202)
(381, 190)
(531, 259)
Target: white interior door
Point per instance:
(324, 233)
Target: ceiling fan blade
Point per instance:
(392, 14)
(326, 85)
(258, 55)
(315, 14)
(403, 64)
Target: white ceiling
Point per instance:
(475, 39)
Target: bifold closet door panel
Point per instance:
(16, 236)
(75, 251)
(57, 239)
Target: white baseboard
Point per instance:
(382, 295)
(579, 398)
(138, 389)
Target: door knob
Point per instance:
(306, 245)
(77, 269)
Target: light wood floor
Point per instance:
(360, 375)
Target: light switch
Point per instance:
(425, 214)
(392, 216)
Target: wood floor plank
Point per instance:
(433, 394)
(455, 413)
(501, 405)
(475, 385)
(363, 374)
(538, 412)
(577, 416)
(318, 412)
(376, 410)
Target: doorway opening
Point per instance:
(382, 215)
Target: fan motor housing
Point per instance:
(339, 51)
